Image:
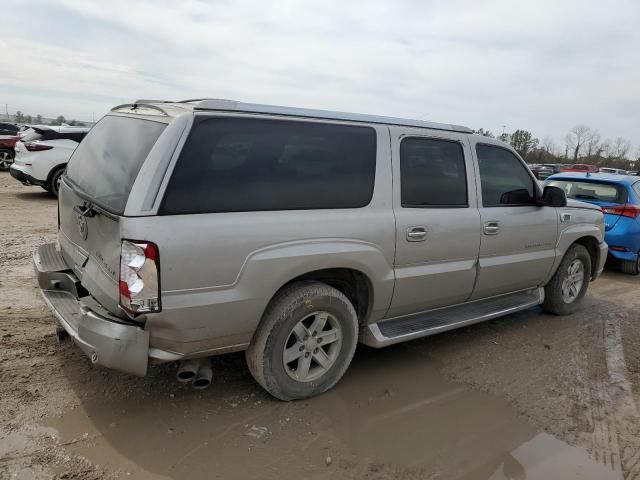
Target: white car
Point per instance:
(613, 171)
(42, 155)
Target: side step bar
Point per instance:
(400, 329)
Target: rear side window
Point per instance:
(107, 162)
(432, 173)
(245, 164)
(505, 180)
(592, 191)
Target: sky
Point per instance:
(543, 66)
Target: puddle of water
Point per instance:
(392, 416)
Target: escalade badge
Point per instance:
(83, 228)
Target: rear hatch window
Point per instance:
(107, 161)
(592, 192)
(601, 194)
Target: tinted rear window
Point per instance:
(107, 161)
(592, 191)
(244, 164)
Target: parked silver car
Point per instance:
(191, 229)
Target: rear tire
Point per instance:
(631, 267)
(569, 284)
(305, 341)
(54, 182)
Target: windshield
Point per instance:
(107, 161)
(592, 191)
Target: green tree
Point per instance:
(58, 121)
(19, 117)
(38, 119)
(484, 133)
(28, 119)
(523, 142)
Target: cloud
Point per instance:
(543, 66)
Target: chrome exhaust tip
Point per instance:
(203, 378)
(188, 370)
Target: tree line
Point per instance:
(582, 145)
(20, 117)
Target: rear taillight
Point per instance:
(139, 277)
(36, 147)
(631, 211)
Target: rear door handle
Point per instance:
(491, 228)
(416, 234)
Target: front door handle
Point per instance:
(416, 234)
(491, 228)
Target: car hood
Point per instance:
(578, 204)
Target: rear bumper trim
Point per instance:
(106, 342)
(24, 178)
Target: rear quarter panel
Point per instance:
(219, 271)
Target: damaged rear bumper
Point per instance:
(106, 339)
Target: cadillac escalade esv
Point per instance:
(190, 229)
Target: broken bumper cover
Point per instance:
(107, 340)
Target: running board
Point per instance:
(401, 329)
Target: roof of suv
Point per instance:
(171, 109)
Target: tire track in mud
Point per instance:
(622, 404)
(611, 409)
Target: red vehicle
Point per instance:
(580, 167)
(7, 150)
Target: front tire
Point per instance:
(569, 284)
(305, 341)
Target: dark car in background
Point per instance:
(8, 129)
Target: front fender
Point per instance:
(583, 224)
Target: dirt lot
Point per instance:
(526, 396)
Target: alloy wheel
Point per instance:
(573, 281)
(312, 347)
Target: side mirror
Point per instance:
(554, 197)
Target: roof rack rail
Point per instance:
(134, 106)
(232, 105)
(149, 100)
(191, 100)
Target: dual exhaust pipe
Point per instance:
(197, 372)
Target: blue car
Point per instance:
(619, 198)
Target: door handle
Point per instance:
(416, 234)
(491, 228)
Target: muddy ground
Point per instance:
(526, 396)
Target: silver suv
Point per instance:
(191, 229)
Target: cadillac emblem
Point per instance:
(83, 228)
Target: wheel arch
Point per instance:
(592, 246)
(353, 283)
(54, 170)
